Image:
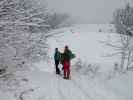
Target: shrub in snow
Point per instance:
(114, 72)
(86, 69)
(123, 21)
(78, 65)
(100, 30)
(93, 70)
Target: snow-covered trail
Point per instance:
(55, 87)
(79, 39)
(87, 45)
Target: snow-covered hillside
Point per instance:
(107, 84)
(106, 28)
(49, 86)
(86, 42)
(121, 86)
(104, 85)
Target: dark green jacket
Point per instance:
(67, 56)
(57, 56)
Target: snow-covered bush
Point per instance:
(57, 20)
(17, 42)
(86, 69)
(78, 65)
(24, 31)
(123, 21)
(93, 70)
(116, 70)
(100, 30)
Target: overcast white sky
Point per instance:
(87, 11)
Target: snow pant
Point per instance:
(66, 66)
(56, 67)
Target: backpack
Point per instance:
(72, 56)
(69, 55)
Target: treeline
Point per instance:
(24, 29)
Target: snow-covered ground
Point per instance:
(5, 96)
(121, 86)
(53, 87)
(85, 42)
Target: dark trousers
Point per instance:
(56, 66)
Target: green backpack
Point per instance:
(69, 55)
(72, 56)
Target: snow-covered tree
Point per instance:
(57, 20)
(17, 19)
(23, 32)
(123, 21)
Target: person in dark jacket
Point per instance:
(57, 60)
(67, 56)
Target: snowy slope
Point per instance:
(87, 46)
(121, 85)
(53, 87)
(106, 28)
(5, 96)
(78, 88)
(85, 42)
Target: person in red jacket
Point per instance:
(67, 56)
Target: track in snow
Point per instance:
(78, 88)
